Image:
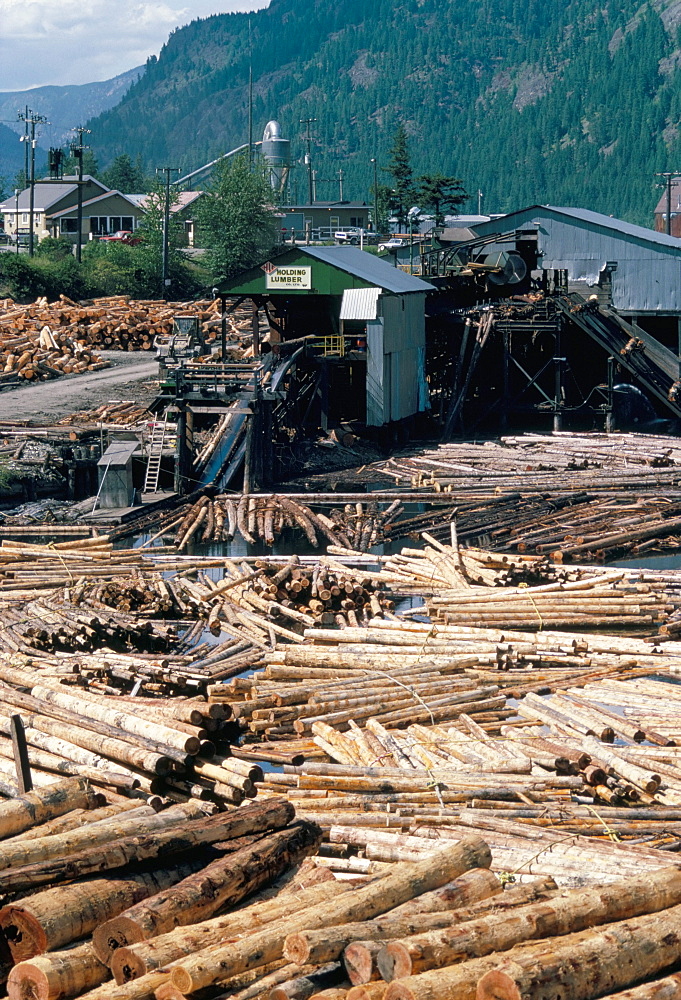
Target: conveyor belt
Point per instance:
(654, 366)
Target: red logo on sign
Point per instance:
(269, 267)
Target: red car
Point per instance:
(122, 236)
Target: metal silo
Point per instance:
(277, 155)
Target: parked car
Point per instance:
(122, 236)
(355, 236)
(393, 243)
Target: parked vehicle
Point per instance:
(122, 236)
(393, 243)
(355, 236)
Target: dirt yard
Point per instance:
(132, 375)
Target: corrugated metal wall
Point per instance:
(646, 279)
(396, 383)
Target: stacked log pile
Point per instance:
(434, 928)
(113, 322)
(119, 413)
(117, 322)
(31, 352)
(72, 867)
(621, 495)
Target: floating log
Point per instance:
(563, 914)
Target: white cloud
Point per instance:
(66, 42)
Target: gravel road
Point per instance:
(133, 375)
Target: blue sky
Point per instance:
(65, 42)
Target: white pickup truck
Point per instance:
(355, 236)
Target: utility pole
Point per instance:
(250, 97)
(166, 223)
(479, 202)
(77, 149)
(667, 182)
(26, 138)
(340, 184)
(375, 163)
(32, 119)
(308, 158)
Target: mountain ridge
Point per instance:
(65, 106)
(575, 104)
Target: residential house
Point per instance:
(55, 210)
(182, 212)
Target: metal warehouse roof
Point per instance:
(618, 226)
(368, 267)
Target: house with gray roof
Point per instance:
(55, 210)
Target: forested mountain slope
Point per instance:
(574, 103)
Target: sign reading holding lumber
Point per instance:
(290, 277)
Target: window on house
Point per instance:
(127, 222)
(115, 224)
(69, 225)
(98, 225)
(335, 221)
(24, 217)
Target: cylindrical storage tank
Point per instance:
(277, 154)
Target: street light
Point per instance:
(411, 215)
(373, 160)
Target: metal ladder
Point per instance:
(156, 443)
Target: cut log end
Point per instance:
(498, 985)
(394, 961)
(125, 965)
(396, 991)
(116, 933)
(22, 933)
(359, 961)
(370, 991)
(29, 983)
(296, 949)
(182, 980)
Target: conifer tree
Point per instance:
(439, 193)
(400, 170)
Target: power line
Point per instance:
(30, 118)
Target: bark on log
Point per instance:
(57, 976)
(619, 955)
(668, 988)
(567, 913)
(224, 826)
(471, 887)
(303, 987)
(29, 852)
(141, 989)
(224, 882)
(44, 804)
(135, 961)
(212, 965)
(54, 917)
